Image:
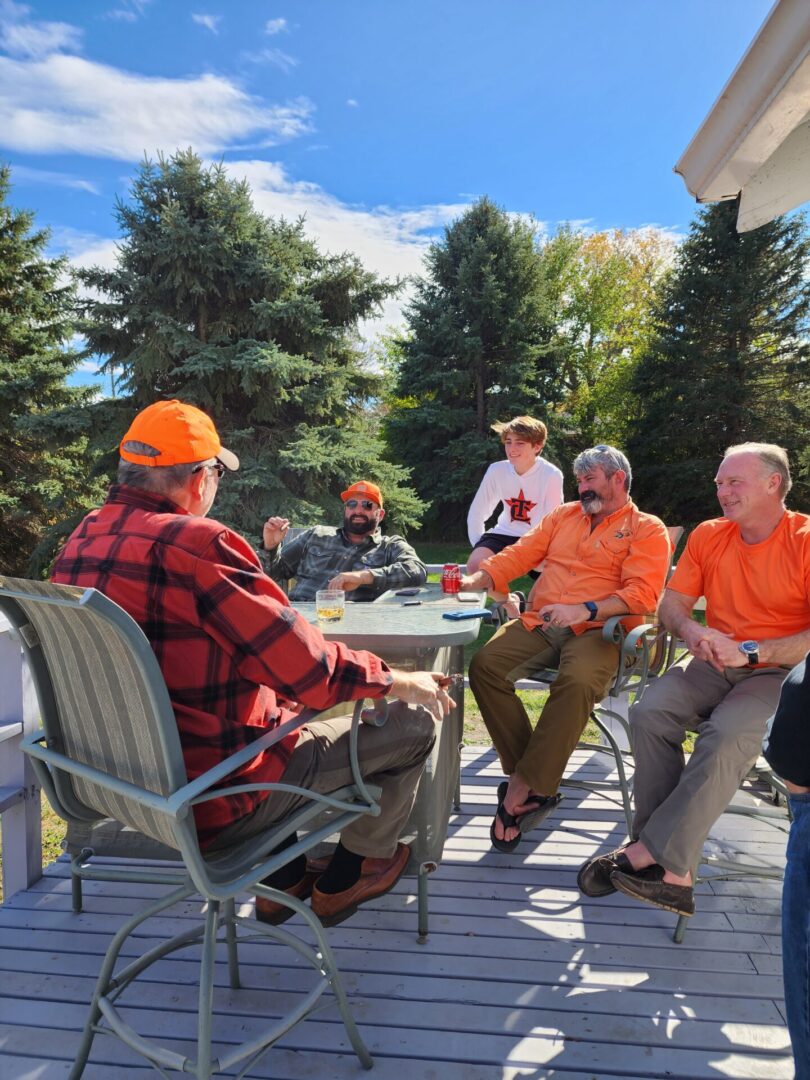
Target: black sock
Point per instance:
(289, 874)
(342, 872)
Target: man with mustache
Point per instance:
(355, 557)
(602, 557)
(753, 567)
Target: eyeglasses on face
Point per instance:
(217, 466)
(367, 504)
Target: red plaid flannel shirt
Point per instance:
(234, 654)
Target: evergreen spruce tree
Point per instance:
(215, 304)
(476, 330)
(729, 363)
(40, 481)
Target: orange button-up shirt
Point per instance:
(627, 556)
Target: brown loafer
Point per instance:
(654, 890)
(593, 878)
(268, 911)
(377, 876)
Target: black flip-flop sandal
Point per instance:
(532, 818)
(507, 820)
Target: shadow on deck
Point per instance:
(521, 977)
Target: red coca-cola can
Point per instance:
(451, 578)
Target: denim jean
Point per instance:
(796, 934)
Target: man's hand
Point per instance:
(511, 606)
(427, 688)
(718, 649)
(725, 651)
(564, 614)
(475, 582)
(274, 531)
(351, 580)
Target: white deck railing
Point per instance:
(20, 816)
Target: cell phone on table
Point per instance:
(412, 603)
(412, 590)
(475, 613)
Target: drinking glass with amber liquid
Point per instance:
(330, 605)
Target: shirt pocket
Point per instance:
(611, 552)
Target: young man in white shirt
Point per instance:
(526, 485)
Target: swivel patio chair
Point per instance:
(109, 747)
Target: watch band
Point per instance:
(592, 608)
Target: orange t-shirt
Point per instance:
(627, 555)
(753, 591)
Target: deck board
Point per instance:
(521, 977)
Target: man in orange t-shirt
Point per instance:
(753, 567)
(601, 557)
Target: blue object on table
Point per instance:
(474, 613)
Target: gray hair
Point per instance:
(773, 457)
(162, 479)
(607, 458)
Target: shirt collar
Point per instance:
(373, 538)
(143, 500)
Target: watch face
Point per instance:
(749, 646)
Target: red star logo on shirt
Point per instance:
(520, 508)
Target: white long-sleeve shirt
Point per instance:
(526, 499)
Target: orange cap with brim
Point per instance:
(182, 433)
(363, 489)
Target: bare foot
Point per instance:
(515, 804)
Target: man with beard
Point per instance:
(601, 557)
(753, 567)
(355, 557)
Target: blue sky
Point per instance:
(379, 120)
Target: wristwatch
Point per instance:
(591, 606)
(750, 649)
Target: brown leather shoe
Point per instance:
(654, 890)
(377, 876)
(268, 911)
(593, 878)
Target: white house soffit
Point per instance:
(765, 99)
(781, 184)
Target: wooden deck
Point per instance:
(521, 977)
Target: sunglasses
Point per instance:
(367, 504)
(217, 466)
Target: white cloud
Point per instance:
(128, 11)
(66, 104)
(21, 37)
(275, 26)
(57, 179)
(283, 61)
(84, 249)
(210, 22)
(352, 103)
(389, 240)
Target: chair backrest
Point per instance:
(103, 700)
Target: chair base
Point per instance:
(221, 925)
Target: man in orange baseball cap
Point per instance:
(234, 655)
(355, 557)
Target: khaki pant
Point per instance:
(677, 802)
(586, 666)
(392, 756)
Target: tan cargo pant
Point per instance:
(586, 666)
(392, 756)
(677, 802)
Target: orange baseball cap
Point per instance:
(182, 433)
(363, 489)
